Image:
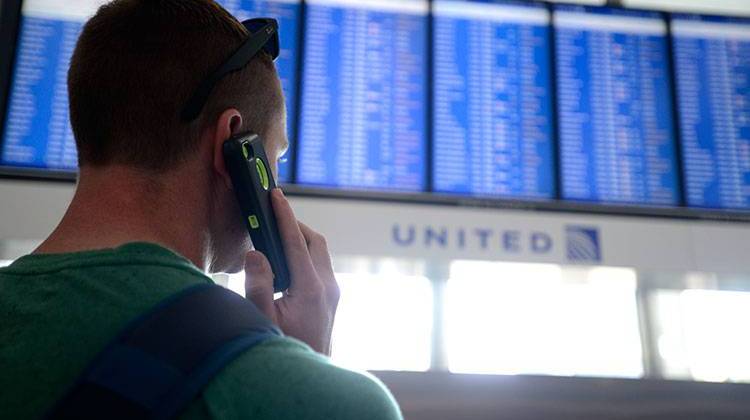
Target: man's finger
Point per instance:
(318, 248)
(295, 247)
(259, 282)
(316, 244)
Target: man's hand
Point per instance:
(307, 309)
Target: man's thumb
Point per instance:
(259, 282)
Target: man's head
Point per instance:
(136, 64)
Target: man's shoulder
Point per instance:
(284, 378)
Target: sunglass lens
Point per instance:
(272, 46)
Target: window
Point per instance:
(384, 322)
(520, 318)
(512, 318)
(702, 334)
(234, 282)
(384, 318)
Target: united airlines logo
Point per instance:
(510, 241)
(582, 244)
(572, 243)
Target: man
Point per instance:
(154, 210)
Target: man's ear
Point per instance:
(228, 124)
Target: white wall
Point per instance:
(29, 210)
(738, 7)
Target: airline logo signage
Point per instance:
(581, 244)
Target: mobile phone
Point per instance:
(248, 166)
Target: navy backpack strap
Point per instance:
(163, 360)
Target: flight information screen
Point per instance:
(364, 95)
(287, 13)
(615, 117)
(492, 99)
(37, 131)
(712, 61)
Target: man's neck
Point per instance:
(116, 205)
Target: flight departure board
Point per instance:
(492, 99)
(615, 118)
(364, 95)
(510, 99)
(287, 13)
(37, 130)
(712, 61)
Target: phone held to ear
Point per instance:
(248, 166)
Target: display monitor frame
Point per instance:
(664, 17)
(426, 186)
(10, 11)
(9, 15)
(554, 195)
(682, 158)
(10, 22)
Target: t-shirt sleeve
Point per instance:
(284, 379)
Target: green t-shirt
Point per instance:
(58, 311)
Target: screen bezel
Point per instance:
(554, 155)
(10, 17)
(10, 22)
(427, 155)
(10, 14)
(671, 17)
(675, 138)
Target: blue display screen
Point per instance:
(37, 131)
(364, 95)
(492, 99)
(617, 142)
(288, 14)
(712, 61)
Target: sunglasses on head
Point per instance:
(264, 36)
